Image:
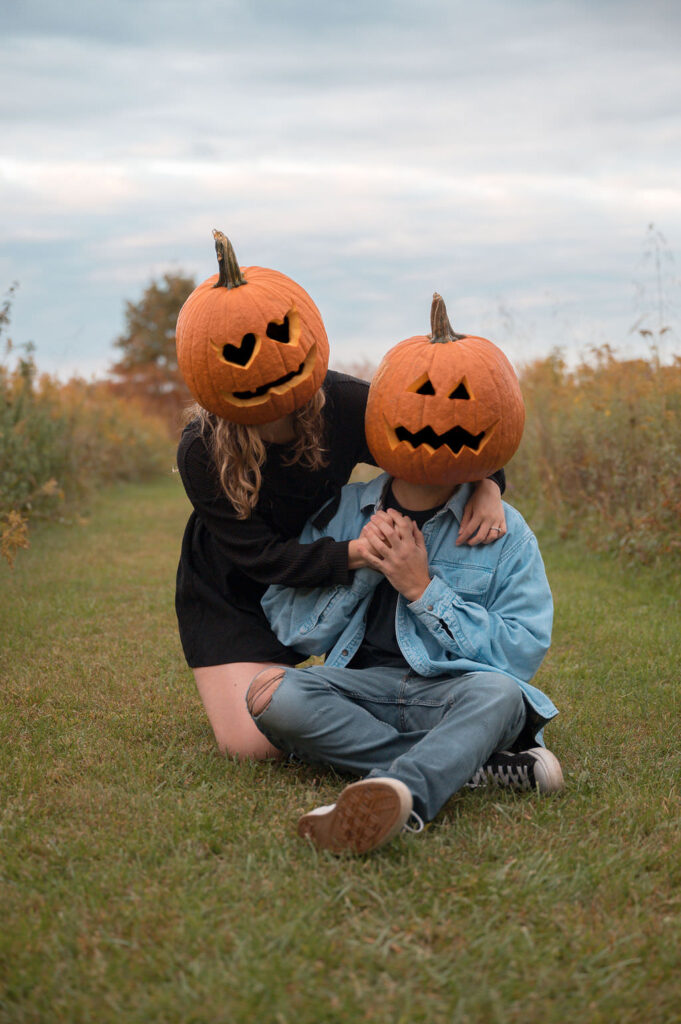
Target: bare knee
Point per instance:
(223, 690)
(261, 690)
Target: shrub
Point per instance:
(60, 441)
(601, 453)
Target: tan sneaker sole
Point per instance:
(366, 815)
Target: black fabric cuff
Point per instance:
(339, 563)
(499, 478)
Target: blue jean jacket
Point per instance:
(487, 608)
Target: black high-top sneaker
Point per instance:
(531, 769)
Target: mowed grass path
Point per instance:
(143, 878)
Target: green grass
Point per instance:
(143, 878)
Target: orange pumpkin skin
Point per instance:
(253, 351)
(444, 410)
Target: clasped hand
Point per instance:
(394, 545)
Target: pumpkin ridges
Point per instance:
(274, 375)
(494, 408)
(202, 353)
(188, 357)
(289, 303)
(199, 355)
(226, 316)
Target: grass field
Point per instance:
(145, 879)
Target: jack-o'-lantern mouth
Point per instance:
(275, 387)
(455, 439)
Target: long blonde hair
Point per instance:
(239, 452)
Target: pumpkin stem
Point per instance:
(230, 271)
(440, 328)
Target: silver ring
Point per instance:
(497, 528)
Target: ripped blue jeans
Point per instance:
(430, 733)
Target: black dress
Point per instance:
(226, 563)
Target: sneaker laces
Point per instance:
(515, 772)
(414, 823)
(518, 774)
(481, 777)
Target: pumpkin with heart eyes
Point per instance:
(444, 408)
(251, 344)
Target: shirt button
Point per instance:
(344, 653)
(429, 607)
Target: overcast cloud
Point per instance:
(509, 154)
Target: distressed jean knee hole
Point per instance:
(261, 690)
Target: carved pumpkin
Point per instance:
(251, 343)
(444, 408)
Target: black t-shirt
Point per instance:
(379, 646)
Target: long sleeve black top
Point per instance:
(226, 563)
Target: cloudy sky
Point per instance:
(510, 154)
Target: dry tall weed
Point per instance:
(60, 441)
(601, 455)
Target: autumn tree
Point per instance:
(147, 369)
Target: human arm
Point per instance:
(266, 546)
(483, 520)
(311, 619)
(510, 632)
(255, 545)
(393, 545)
(503, 621)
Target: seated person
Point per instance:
(431, 646)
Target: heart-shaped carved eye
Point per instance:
(240, 354)
(278, 332)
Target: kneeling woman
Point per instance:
(274, 435)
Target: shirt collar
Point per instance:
(373, 493)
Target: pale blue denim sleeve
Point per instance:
(311, 619)
(512, 631)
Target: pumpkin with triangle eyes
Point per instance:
(251, 344)
(444, 408)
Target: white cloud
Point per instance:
(513, 154)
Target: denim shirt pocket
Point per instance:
(470, 582)
(322, 609)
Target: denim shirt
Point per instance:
(487, 608)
